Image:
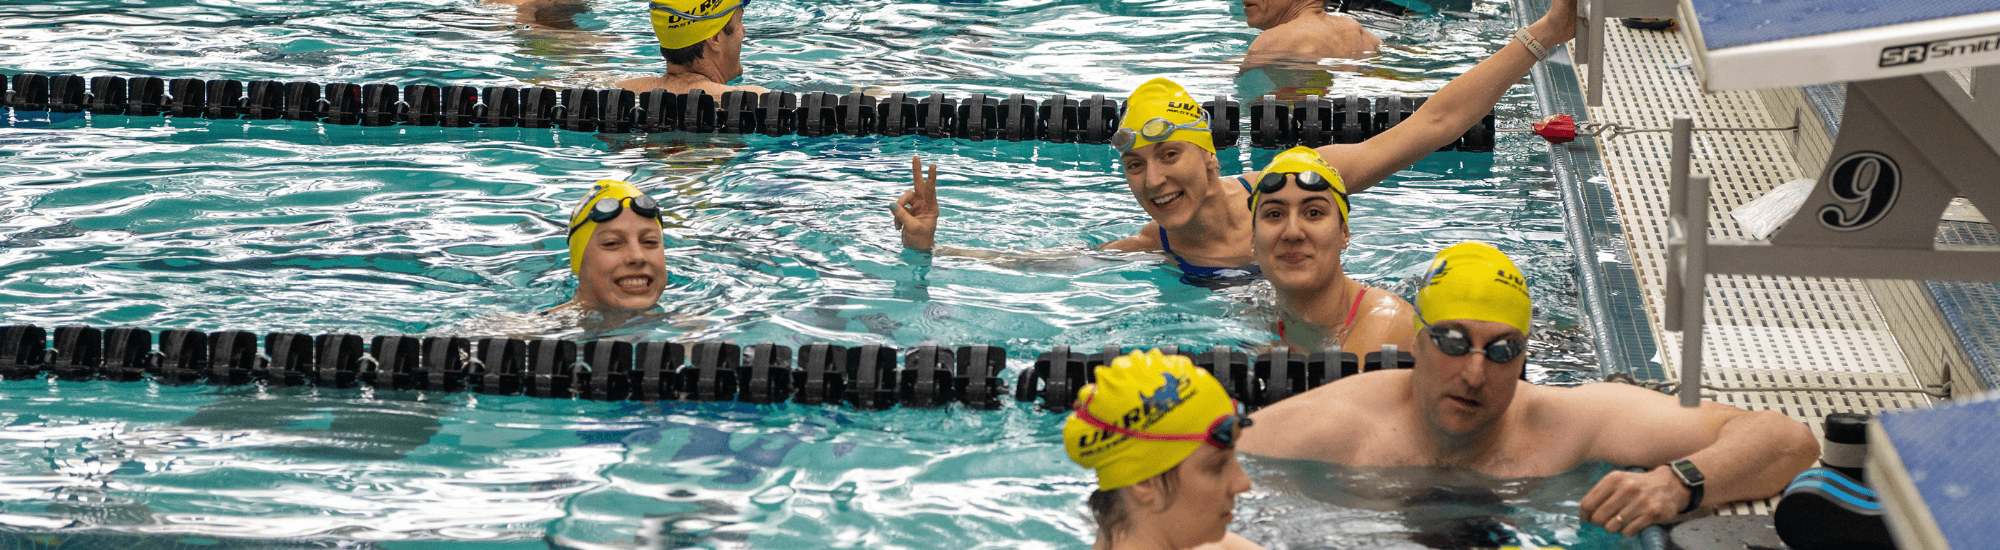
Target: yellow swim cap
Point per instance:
(1300, 160)
(1146, 413)
(681, 23)
(1179, 117)
(1472, 280)
(580, 225)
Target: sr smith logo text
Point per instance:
(1909, 54)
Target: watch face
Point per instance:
(1687, 471)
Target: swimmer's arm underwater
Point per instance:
(1147, 240)
(1451, 111)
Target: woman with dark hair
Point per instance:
(1161, 435)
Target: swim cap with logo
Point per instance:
(1144, 392)
(1162, 98)
(580, 226)
(1473, 280)
(1303, 159)
(681, 23)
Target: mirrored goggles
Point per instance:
(1455, 343)
(669, 10)
(1155, 130)
(1308, 180)
(608, 208)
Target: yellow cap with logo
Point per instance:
(1472, 280)
(681, 23)
(1161, 111)
(1146, 413)
(582, 224)
(1303, 160)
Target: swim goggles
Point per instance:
(1455, 343)
(1155, 130)
(1221, 434)
(608, 208)
(1309, 181)
(669, 10)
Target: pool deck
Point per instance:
(1806, 347)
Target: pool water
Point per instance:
(271, 226)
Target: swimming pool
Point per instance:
(287, 226)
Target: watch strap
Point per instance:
(1681, 468)
(1528, 39)
(1694, 499)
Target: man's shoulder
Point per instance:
(1325, 36)
(1568, 407)
(1364, 393)
(1331, 419)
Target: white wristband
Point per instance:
(1528, 39)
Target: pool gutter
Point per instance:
(1610, 298)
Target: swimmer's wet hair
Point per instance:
(689, 54)
(685, 56)
(1108, 507)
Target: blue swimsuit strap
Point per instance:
(1188, 268)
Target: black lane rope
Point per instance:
(1274, 124)
(864, 377)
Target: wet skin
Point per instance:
(1203, 504)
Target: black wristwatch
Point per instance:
(1692, 478)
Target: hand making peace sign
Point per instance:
(917, 210)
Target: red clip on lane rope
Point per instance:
(1557, 129)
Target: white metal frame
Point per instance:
(1907, 146)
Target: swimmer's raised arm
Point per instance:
(1450, 112)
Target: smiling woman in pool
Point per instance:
(615, 249)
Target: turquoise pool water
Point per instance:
(285, 226)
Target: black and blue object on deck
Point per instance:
(1826, 510)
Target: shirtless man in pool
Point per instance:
(1465, 406)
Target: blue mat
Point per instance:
(1948, 453)
(1731, 23)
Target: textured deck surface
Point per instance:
(1799, 345)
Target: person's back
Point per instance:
(702, 41)
(1318, 35)
(1304, 28)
